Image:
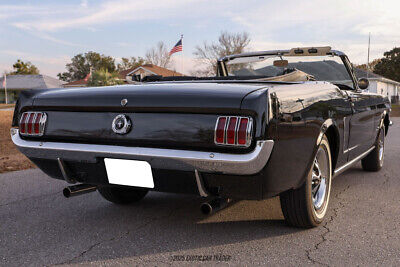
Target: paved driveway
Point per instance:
(39, 226)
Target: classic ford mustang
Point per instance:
(272, 123)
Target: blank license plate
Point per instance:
(129, 172)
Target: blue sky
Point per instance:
(49, 33)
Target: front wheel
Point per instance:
(306, 206)
(373, 162)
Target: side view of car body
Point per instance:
(251, 132)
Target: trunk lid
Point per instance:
(148, 97)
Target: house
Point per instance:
(132, 75)
(381, 85)
(17, 83)
(137, 74)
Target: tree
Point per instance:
(80, 66)
(129, 63)
(21, 67)
(228, 44)
(389, 65)
(103, 77)
(158, 55)
(371, 65)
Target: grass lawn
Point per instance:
(10, 158)
(6, 106)
(395, 111)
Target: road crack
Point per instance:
(327, 230)
(125, 234)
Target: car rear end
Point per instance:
(184, 138)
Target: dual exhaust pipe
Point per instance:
(207, 208)
(214, 205)
(80, 189)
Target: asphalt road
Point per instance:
(38, 226)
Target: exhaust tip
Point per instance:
(66, 192)
(77, 190)
(206, 208)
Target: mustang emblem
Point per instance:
(124, 102)
(121, 124)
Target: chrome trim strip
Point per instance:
(200, 185)
(344, 134)
(350, 163)
(42, 123)
(350, 149)
(235, 137)
(228, 119)
(249, 132)
(226, 163)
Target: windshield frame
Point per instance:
(222, 70)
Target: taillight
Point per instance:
(242, 138)
(233, 131)
(220, 130)
(32, 123)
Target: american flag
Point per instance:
(176, 48)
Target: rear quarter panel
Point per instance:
(300, 113)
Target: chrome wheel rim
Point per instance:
(320, 183)
(381, 148)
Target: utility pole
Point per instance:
(369, 46)
(5, 87)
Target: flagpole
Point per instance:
(182, 53)
(5, 87)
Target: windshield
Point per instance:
(291, 68)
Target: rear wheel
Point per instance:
(306, 206)
(373, 162)
(122, 195)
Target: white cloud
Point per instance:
(344, 25)
(84, 3)
(107, 12)
(50, 65)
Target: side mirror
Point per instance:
(363, 83)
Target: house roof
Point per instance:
(22, 82)
(80, 82)
(154, 69)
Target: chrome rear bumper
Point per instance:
(237, 164)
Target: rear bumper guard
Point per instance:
(212, 162)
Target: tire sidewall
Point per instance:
(317, 218)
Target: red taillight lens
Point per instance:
(231, 131)
(32, 123)
(36, 124)
(22, 124)
(220, 130)
(242, 133)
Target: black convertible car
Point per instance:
(270, 123)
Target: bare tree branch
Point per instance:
(228, 44)
(158, 55)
